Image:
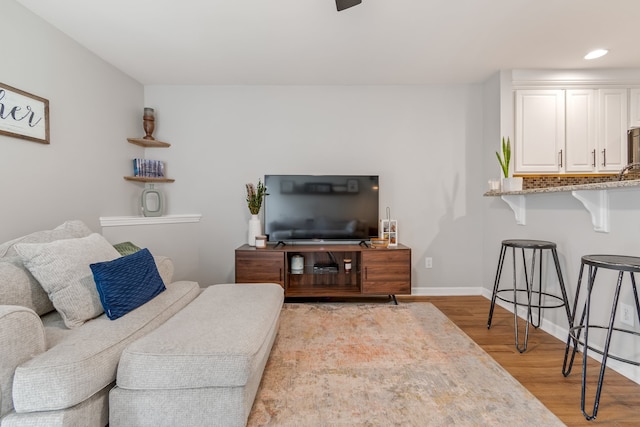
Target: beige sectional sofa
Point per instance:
(182, 354)
(52, 375)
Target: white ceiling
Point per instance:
(376, 42)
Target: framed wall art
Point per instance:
(23, 115)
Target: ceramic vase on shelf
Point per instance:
(255, 229)
(148, 123)
(512, 184)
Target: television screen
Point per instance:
(321, 207)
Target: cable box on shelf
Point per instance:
(325, 268)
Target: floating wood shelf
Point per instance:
(148, 142)
(148, 179)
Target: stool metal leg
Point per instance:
(522, 348)
(563, 289)
(575, 331)
(503, 250)
(538, 304)
(605, 354)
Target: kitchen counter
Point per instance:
(594, 197)
(565, 188)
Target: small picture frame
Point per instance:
(352, 186)
(389, 231)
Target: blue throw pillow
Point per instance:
(126, 283)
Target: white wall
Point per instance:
(93, 109)
(423, 141)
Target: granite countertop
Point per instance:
(565, 188)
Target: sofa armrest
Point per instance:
(165, 268)
(21, 338)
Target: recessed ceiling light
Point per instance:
(596, 54)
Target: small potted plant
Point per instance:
(508, 183)
(255, 196)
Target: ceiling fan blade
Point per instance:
(345, 4)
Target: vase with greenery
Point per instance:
(255, 196)
(508, 183)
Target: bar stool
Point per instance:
(621, 264)
(550, 300)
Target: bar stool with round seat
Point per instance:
(621, 264)
(536, 297)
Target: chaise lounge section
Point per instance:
(204, 365)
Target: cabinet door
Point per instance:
(612, 133)
(634, 108)
(539, 142)
(386, 272)
(259, 266)
(580, 132)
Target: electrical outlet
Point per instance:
(428, 262)
(626, 314)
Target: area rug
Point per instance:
(355, 364)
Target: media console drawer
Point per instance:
(327, 270)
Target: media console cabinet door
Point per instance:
(259, 266)
(386, 272)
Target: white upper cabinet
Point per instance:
(580, 134)
(612, 129)
(539, 140)
(571, 131)
(634, 108)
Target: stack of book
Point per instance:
(148, 168)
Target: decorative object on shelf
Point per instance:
(24, 115)
(508, 183)
(151, 201)
(347, 265)
(389, 229)
(512, 184)
(297, 264)
(148, 168)
(255, 229)
(148, 123)
(261, 241)
(379, 242)
(255, 196)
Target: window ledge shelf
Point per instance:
(118, 221)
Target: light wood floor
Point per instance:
(539, 369)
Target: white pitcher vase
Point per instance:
(255, 229)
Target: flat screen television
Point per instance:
(312, 208)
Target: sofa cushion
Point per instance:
(19, 287)
(17, 284)
(126, 283)
(84, 361)
(68, 230)
(62, 268)
(214, 342)
(126, 248)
